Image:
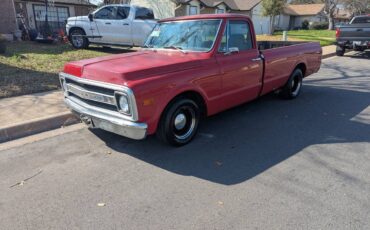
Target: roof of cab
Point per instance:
(205, 16)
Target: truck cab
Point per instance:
(117, 24)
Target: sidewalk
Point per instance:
(30, 114)
(35, 113)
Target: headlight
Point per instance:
(123, 104)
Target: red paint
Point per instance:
(222, 81)
(337, 33)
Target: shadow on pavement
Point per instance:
(243, 142)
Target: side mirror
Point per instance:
(91, 17)
(232, 50)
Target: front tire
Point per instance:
(179, 123)
(78, 39)
(293, 87)
(340, 51)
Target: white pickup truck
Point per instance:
(118, 24)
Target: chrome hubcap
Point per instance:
(180, 121)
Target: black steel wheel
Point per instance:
(179, 123)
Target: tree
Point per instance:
(329, 10)
(357, 7)
(272, 8)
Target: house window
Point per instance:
(57, 17)
(220, 11)
(193, 10)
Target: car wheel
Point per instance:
(340, 51)
(78, 40)
(179, 123)
(293, 87)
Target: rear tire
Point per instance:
(340, 51)
(293, 87)
(179, 122)
(78, 39)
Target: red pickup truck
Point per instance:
(191, 67)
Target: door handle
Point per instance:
(107, 23)
(257, 59)
(126, 24)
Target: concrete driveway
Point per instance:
(269, 164)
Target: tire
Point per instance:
(77, 39)
(293, 87)
(340, 51)
(179, 122)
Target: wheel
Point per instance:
(77, 39)
(293, 87)
(179, 122)
(340, 51)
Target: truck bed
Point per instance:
(281, 58)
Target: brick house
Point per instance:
(33, 13)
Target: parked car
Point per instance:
(355, 35)
(124, 25)
(193, 67)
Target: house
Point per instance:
(175, 8)
(342, 16)
(32, 12)
(293, 15)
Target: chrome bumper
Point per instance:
(99, 118)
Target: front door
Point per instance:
(240, 64)
(113, 25)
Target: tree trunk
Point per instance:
(331, 23)
(272, 25)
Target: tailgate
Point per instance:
(356, 32)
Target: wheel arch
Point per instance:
(303, 67)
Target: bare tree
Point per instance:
(357, 7)
(329, 10)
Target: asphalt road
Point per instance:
(269, 164)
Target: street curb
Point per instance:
(35, 126)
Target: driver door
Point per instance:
(104, 20)
(240, 64)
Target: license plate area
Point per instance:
(87, 120)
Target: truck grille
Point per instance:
(90, 94)
(98, 95)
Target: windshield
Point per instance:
(196, 35)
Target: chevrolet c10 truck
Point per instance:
(192, 67)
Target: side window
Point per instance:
(108, 12)
(144, 13)
(236, 35)
(193, 10)
(123, 12)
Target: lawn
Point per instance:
(325, 37)
(29, 67)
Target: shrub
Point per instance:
(305, 25)
(319, 26)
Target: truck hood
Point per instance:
(124, 69)
(78, 18)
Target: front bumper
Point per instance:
(99, 118)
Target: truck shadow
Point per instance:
(360, 55)
(243, 142)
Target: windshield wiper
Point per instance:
(175, 48)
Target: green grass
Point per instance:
(30, 67)
(325, 37)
